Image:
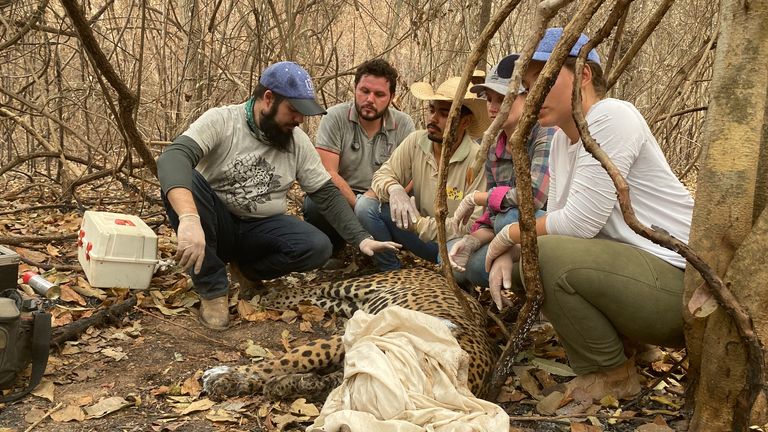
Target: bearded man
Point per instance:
(356, 137)
(224, 184)
(390, 212)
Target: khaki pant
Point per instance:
(596, 291)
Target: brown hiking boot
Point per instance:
(622, 382)
(214, 313)
(248, 288)
(643, 353)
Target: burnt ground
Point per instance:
(147, 364)
(153, 358)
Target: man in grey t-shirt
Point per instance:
(224, 184)
(355, 138)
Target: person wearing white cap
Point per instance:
(388, 212)
(224, 184)
(603, 283)
(467, 254)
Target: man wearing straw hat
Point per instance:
(388, 212)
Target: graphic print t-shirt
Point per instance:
(249, 176)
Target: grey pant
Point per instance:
(596, 291)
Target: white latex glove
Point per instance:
(500, 244)
(463, 211)
(402, 208)
(501, 274)
(461, 251)
(370, 246)
(191, 242)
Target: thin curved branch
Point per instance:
(678, 79)
(43, 112)
(66, 169)
(681, 112)
(30, 156)
(650, 26)
(616, 43)
(29, 129)
(536, 96)
(33, 19)
(449, 138)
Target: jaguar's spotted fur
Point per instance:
(301, 371)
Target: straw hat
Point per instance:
(445, 92)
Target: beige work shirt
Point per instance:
(413, 160)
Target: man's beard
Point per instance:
(276, 136)
(438, 138)
(368, 117)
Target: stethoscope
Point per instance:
(356, 144)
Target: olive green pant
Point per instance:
(596, 291)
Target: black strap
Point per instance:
(41, 342)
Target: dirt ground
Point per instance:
(142, 373)
(146, 361)
(153, 360)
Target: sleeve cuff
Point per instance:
(496, 196)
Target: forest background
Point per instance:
(179, 58)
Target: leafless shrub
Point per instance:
(59, 125)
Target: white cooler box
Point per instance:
(116, 250)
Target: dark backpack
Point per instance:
(25, 336)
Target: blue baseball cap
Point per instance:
(294, 83)
(545, 48)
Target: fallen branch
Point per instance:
(17, 240)
(570, 416)
(187, 329)
(60, 206)
(61, 267)
(45, 416)
(107, 316)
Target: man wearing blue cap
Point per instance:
(224, 184)
(603, 282)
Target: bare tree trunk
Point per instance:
(126, 99)
(726, 228)
(191, 90)
(483, 20)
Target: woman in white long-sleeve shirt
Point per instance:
(602, 282)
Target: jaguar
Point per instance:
(312, 370)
